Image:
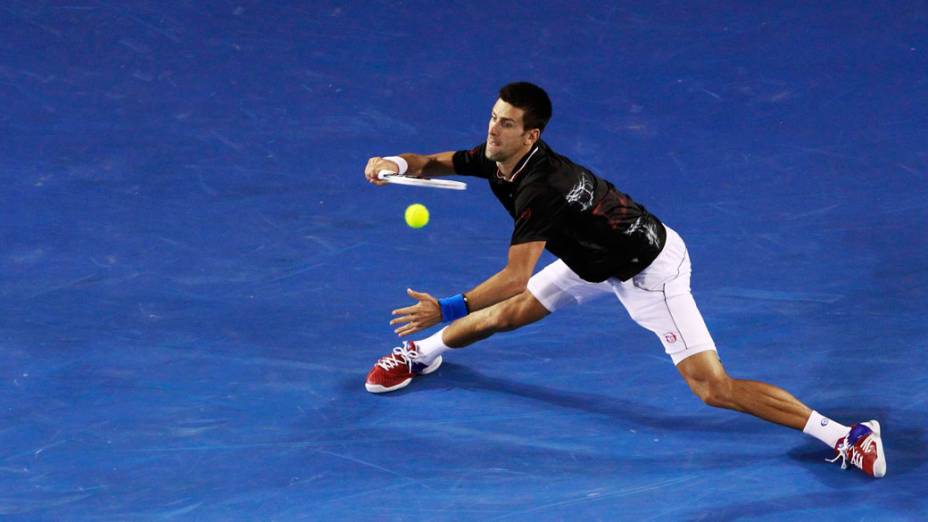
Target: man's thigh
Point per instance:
(659, 299)
(557, 286)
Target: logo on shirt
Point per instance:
(648, 229)
(582, 193)
(670, 337)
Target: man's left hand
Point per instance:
(424, 314)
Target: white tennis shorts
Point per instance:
(658, 298)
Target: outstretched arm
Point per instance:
(510, 281)
(438, 164)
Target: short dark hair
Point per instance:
(530, 98)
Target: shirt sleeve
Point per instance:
(474, 162)
(537, 211)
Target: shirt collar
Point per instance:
(520, 166)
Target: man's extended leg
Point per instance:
(860, 443)
(659, 299)
(707, 378)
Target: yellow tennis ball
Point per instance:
(417, 216)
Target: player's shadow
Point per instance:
(452, 375)
(906, 449)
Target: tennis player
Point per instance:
(605, 243)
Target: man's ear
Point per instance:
(533, 135)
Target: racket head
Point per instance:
(399, 179)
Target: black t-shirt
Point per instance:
(596, 230)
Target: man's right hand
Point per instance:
(377, 164)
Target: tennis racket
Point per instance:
(399, 179)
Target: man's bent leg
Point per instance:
(707, 378)
(554, 287)
(513, 313)
(396, 370)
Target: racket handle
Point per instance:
(384, 173)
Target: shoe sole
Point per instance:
(879, 465)
(377, 388)
(435, 364)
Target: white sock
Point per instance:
(431, 347)
(825, 429)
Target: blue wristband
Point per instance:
(454, 307)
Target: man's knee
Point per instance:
(515, 312)
(714, 392)
(707, 379)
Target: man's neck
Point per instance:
(506, 167)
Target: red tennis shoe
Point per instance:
(396, 370)
(864, 448)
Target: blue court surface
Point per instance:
(196, 278)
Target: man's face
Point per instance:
(506, 136)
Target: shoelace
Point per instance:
(406, 356)
(857, 457)
(842, 454)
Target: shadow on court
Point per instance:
(622, 411)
